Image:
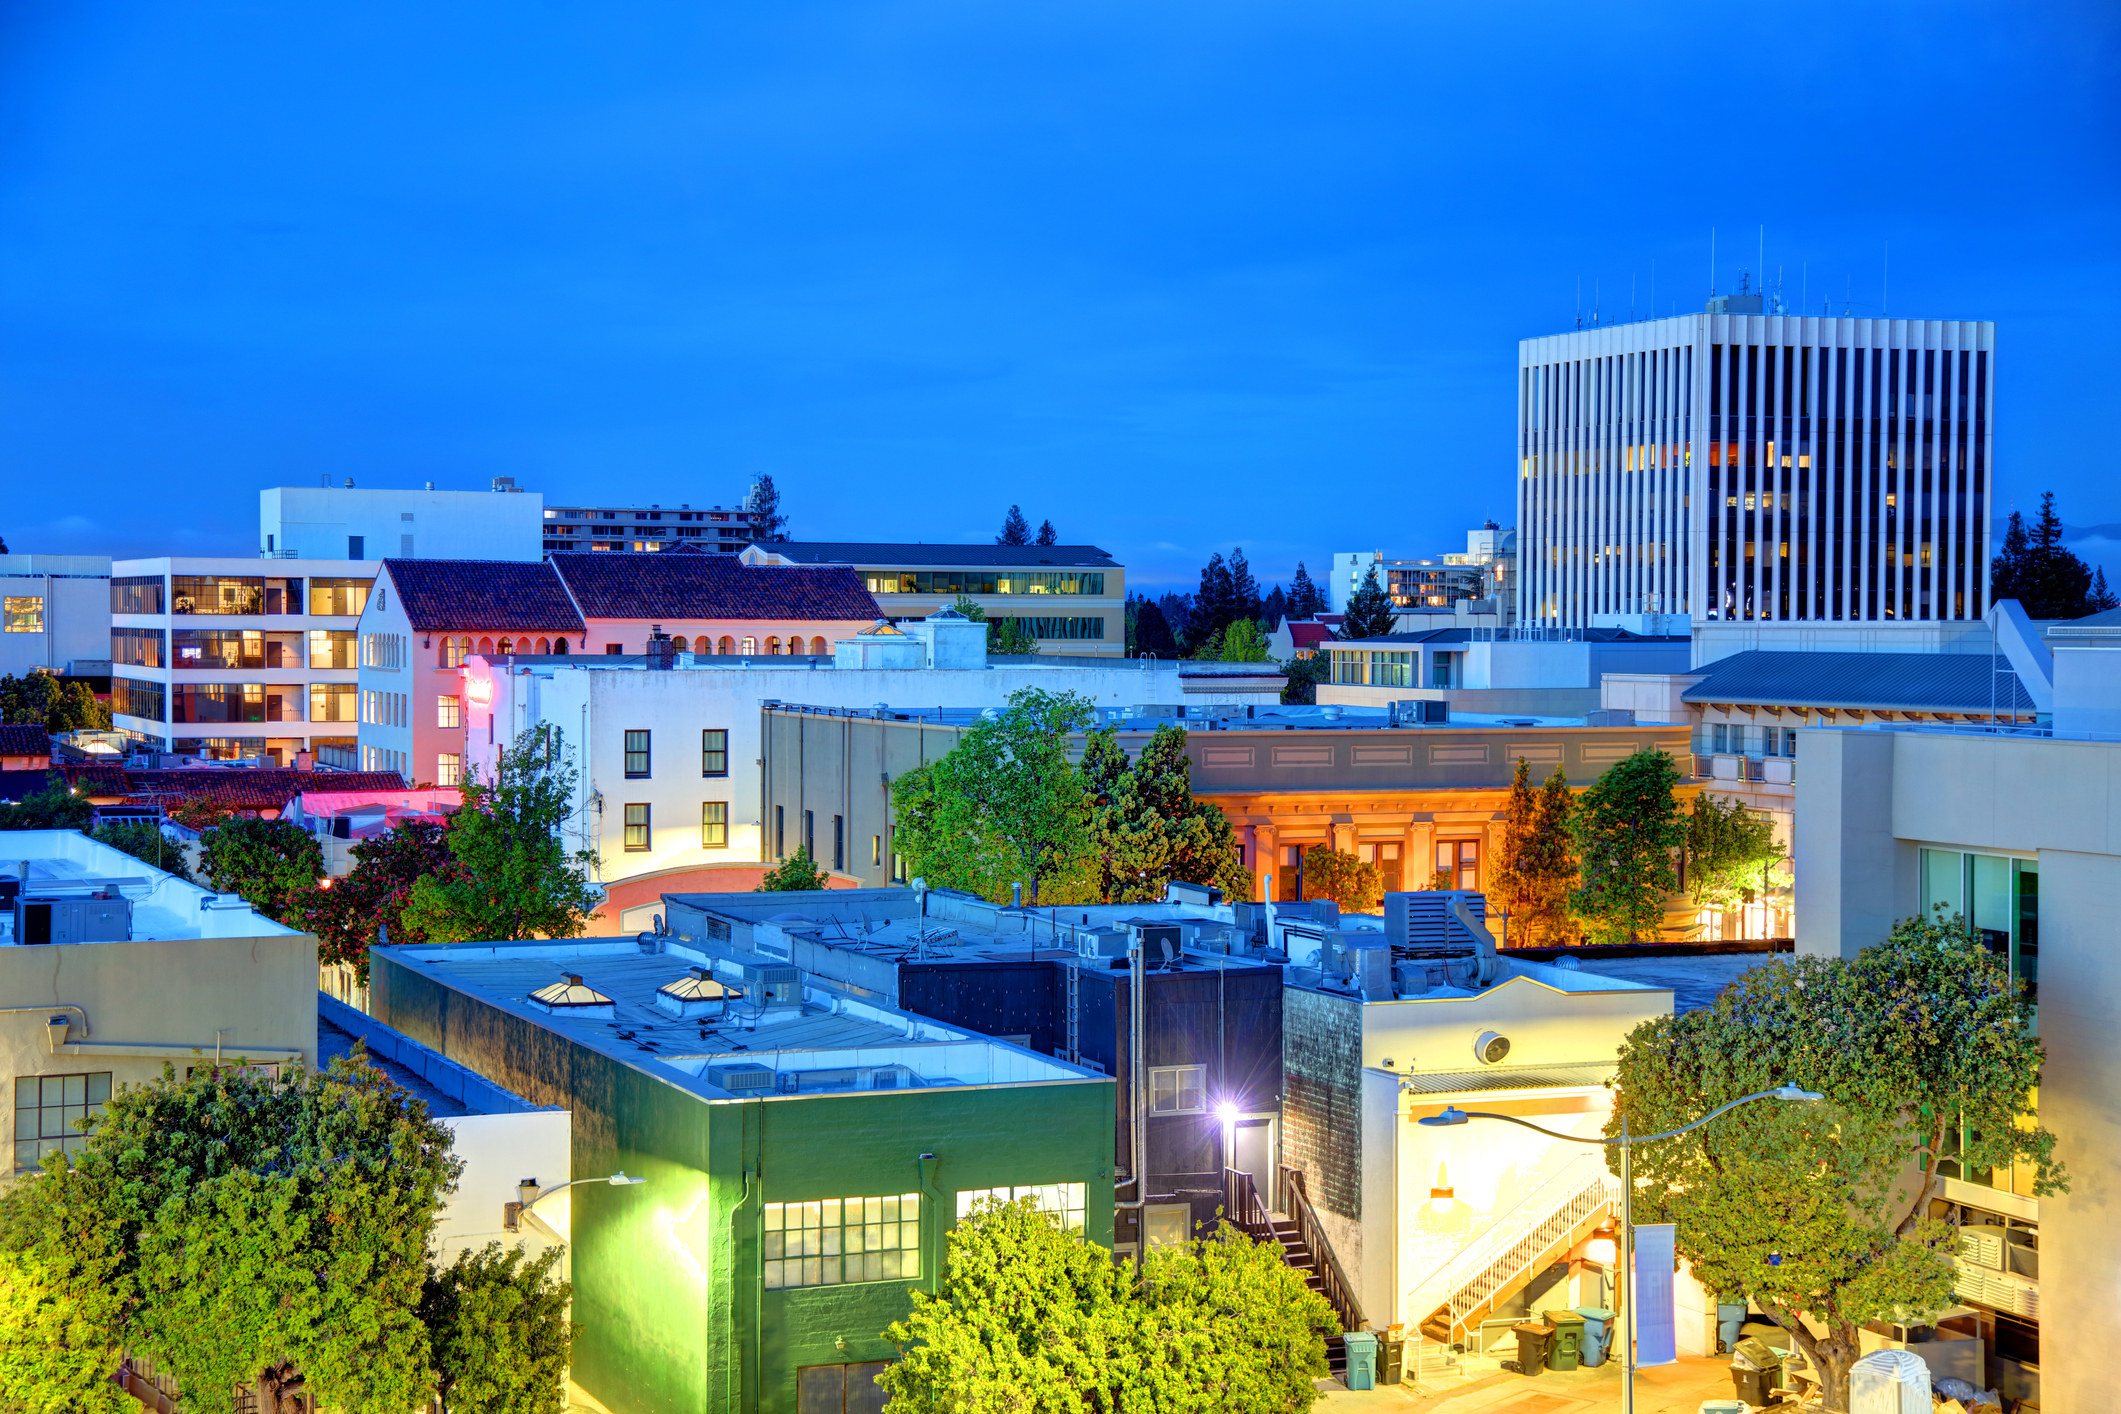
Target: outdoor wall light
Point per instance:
(1227, 1113)
(1441, 1196)
(1604, 1246)
(528, 1194)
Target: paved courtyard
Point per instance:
(1667, 1389)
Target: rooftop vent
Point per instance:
(696, 994)
(741, 1079)
(570, 996)
(774, 985)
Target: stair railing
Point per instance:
(1521, 1237)
(1339, 1291)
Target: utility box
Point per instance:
(73, 920)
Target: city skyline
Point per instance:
(978, 260)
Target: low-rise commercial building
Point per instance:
(805, 1150)
(642, 530)
(327, 522)
(1522, 672)
(55, 614)
(110, 969)
(1072, 599)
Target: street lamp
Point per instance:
(1627, 1142)
(528, 1194)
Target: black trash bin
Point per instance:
(1394, 1349)
(1533, 1338)
(1756, 1387)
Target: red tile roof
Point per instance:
(483, 596)
(231, 787)
(24, 741)
(677, 587)
(1309, 635)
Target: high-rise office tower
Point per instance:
(1745, 466)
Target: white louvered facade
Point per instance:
(1754, 467)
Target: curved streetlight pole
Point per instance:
(1626, 1143)
(528, 1195)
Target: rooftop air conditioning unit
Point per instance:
(741, 1079)
(773, 985)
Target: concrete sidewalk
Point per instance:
(1665, 1389)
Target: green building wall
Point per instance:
(669, 1287)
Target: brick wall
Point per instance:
(1322, 1116)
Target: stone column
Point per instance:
(1266, 858)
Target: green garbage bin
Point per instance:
(1566, 1348)
(1362, 1359)
(1597, 1334)
(1532, 1339)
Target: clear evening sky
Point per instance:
(1174, 275)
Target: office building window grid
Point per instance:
(840, 1240)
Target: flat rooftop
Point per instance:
(66, 866)
(824, 1040)
(1263, 717)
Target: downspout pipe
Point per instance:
(1137, 1106)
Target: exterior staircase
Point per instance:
(1295, 1228)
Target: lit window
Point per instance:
(751, 645)
(714, 825)
(449, 768)
(1178, 1090)
(23, 613)
(636, 756)
(449, 711)
(1063, 1200)
(637, 827)
(839, 1240)
(49, 1107)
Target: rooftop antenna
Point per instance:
(1595, 283)
(1848, 294)
(1712, 262)
(1579, 301)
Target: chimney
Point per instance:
(304, 761)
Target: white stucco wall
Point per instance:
(313, 523)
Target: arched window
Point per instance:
(507, 646)
(773, 647)
(486, 646)
(544, 646)
(449, 657)
(463, 650)
(727, 647)
(795, 643)
(751, 645)
(817, 646)
(678, 645)
(559, 646)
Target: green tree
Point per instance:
(1146, 829)
(1369, 612)
(1356, 886)
(2047, 579)
(768, 522)
(1244, 642)
(146, 843)
(41, 698)
(1214, 605)
(1305, 599)
(798, 871)
(1305, 674)
(1626, 830)
(1008, 636)
(1032, 1320)
(1731, 852)
(1244, 589)
(1533, 871)
(970, 610)
(1004, 806)
(56, 807)
(1923, 1047)
(499, 1331)
(1047, 535)
(511, 875)
(1148, 631)
(1015, 529)
(348, 914)
(272, 863)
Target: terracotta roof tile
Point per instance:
(711, 587)
(234, 787)
(498, 596)
(18, 740)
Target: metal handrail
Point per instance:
(1551, 1194)
(1339, 1291)
(1533, 1242)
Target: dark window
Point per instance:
(780, 832)
(714, 825)
(636, 756)
(714, 752)
(839, 1389)
(47, 1109)
(613, 650)
(810, 833)
(636, 827)
(354, 546)
(839, 842)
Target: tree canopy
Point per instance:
(56, 807)
(1533, 870)
(511, 874)
(1369, 613)
(350, 913)
(1148, 631)
(1626, 831)
(1731, 852)
(1047, 535)
(40, 698)
(145, 842)
(1146, 829)
(2048, 580)
(1305, 674)
(797, 872)
(1923, 1048)
(768, 521)
(272, 863)
(1305, 598)
(1032, 1320)
(1015, 529)
(1350, 882)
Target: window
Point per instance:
(1078, 627)
(613, 650)
(130, 697)
(726, 647)
(714, 825)
(138, 647)
(810, 834)
(898, 868)
(780, 832)
(986, 582)
(47, 1109)
(1459, 861)
(636, 827)
(1178, 1089)
(332, 702)
(1063, 1200)
(714, 752)
(840, 1389)
(449, 710)
(449, 769)
(341, 597)
(216, 594)
(354, 546)
(1440, 669)
(842, 1240)
(332, 648)
(1720, 739)
(636, 756)
(876, 849)
(839, 843)
(136, 594)
(22, 613)
(751, 645)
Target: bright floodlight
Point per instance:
(1226, 1112)
(1791, 1092)
(1451, 1115)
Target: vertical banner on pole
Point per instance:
(1656, 1323)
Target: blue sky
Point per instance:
(1176, 275)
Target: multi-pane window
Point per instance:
(1063, 1200)
(1458, 864)
(986, 582)
(342, 597)
(714, 825)
(22, 613)
(47, 1109)
(136, 594)
(1178, 1089)
(636, 756)
(449, 710)
(333, 701)
(138, 647)
(637, 827)
(332, 648)
(839, 1240)
(449, 768)
(132, 698)
(714, 752)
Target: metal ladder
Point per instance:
(1075, 980)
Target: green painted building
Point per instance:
(805, 1151)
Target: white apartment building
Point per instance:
(1745, 467)
(1487, 569)
(327, 522)
(227, 658)
(54, 613)
(671, 760)
(646, 529)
